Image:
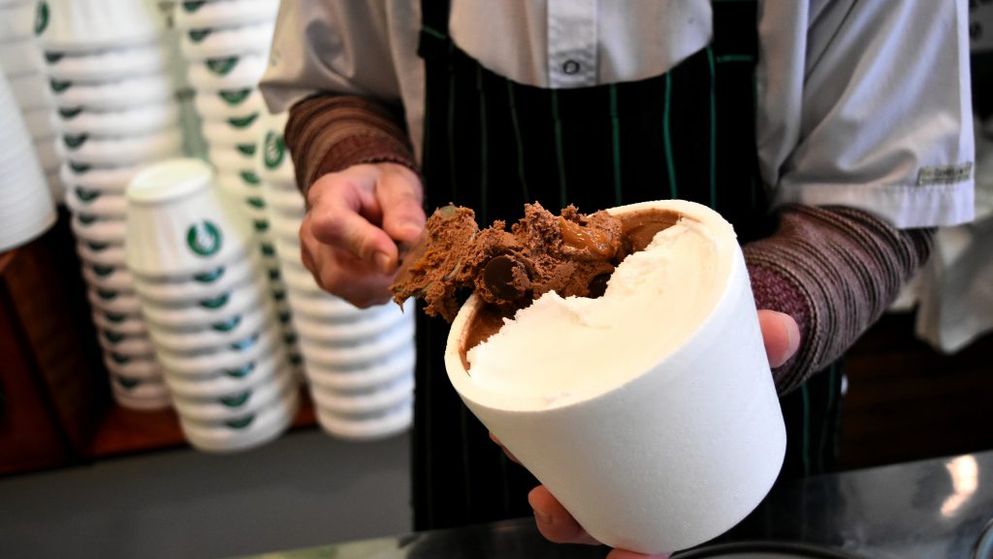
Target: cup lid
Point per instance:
(169, 180)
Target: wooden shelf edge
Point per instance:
(124, 432)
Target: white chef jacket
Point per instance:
(862, 104)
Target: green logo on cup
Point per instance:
(250, 178)
(236, 400)
(193, 5)
(240, 423)
(222, 66)
(227, 325)
(240, 372)
(234, 96)
(127, 383)
(41, 18)
(209, 277)
(58, 86)
(204, 238)
(243, 121)
(198, 35)
(247, 150)
(275, 150)
(86, 195)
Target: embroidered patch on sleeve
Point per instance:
(944, 174)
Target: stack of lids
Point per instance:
(359, 363)
(225, 45)
(109, 75)
(22, 62)
(206, 305)
(26, 207)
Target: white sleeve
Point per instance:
(867, 104)
(339, 46)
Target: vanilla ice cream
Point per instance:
(655, 300)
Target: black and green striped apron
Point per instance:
(493, 144)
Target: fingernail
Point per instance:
(383, 262)
(410, 229)
(541, 517)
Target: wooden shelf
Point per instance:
(125, 431)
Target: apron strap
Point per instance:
(434, 27)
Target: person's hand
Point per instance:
(355, 219)
(782, 339)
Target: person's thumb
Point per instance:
(780, 334)
(400, 198)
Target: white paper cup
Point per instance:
(226, 73)
(88, 25)
(127, 93)
(670, 458)
(21, 57)
(122, 150)
(137, 121)
(367, 351)
(237, 103)
(224, 359)
(375, 427)
(372, 323)
(121, 302)
(141, 404)
(276, 164)
(17, 21)
(46, 148)
(121, 344)
(178, 224)
(248, 432)
(228, 380)
(31, 91)
(107, 255)
(41, 126)
(223, 133)
(219, 42)
(370, 401)
(26, 206)
(360, 377)
(110, 231)
(93, 202)
(214, 335)
(237, 403)
(113, 180)
(286, 204)
(216, 309)
(223, 13)
(117, 279)
(180, 292)
(227, 159)
(124, 323)
(139, 368)
(109, 65)
(139, 388)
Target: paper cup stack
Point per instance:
(225, 44)
(22, 62)
(109, 75)
(26, 207)
(359, 363)
(207, 308)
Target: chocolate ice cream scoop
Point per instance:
(571, 254)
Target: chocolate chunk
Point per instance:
(598, 285)
(506, 277)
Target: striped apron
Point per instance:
(493, 144)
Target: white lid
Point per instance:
(169, 180)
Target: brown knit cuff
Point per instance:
(835, 270)
(328, 133)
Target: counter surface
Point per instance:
(935, 508)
